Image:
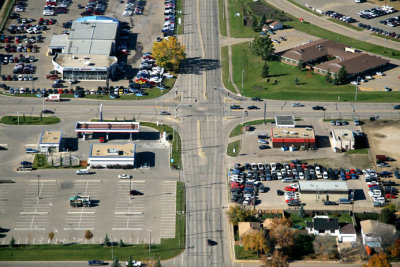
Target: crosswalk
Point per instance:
(84, 218)
(129, 209)
(36, 205)
(168, 209)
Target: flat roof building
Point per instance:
(86, 53)
(112, 154)
(296, 137)
(50, 141)
(319, 191)
(342, 140)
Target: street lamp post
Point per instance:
(149, 240)
(242, 80)
(355, 97)
(38, 191)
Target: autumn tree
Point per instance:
(88, 235)
(324, 245)
(263, 47)
(51, 236)
(169, 53)
(378, 260)
(278, 259)
(238, 214)
(255, 241)
(283, 235)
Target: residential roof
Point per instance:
(324, 223)
(313, 186)
(342, 135)
(112, 150)
(248, 227)
(347, 229)
(372, 226)
(50, 137)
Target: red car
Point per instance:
(289, 188)
(102, 139)
(390, 196)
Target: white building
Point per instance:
(319, 191)
(372, 232)
(342, 140)
(276, 25)
(50, 141)
(324, 225)
(112, 154)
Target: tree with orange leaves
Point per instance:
(378, 260)
(169, 53)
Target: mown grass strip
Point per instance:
(29, 120)
(238, 130)
(225, 69)
(233, 148)
(222, 18)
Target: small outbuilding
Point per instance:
(50, 141)
(320, 191)
(106, 155)
(276, 25)
(342, 140)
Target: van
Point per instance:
(287, 180)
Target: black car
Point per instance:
(46, 111)
(256, 99)
(263, 147)
(211, 242)
(294, 202)
(318, 108)
(330, 203)
(396, 107)
(136, 193)
(280, 192)
(235, 107)
(252, 107)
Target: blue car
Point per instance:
(161, 87)
(139, 94)
(112, 96)
(39, 95)
(262, 141)
(95, 263)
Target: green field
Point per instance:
(168, 248)
(29, 120)
(358, 151)
(311, 86)
(238, 130)
(222, 20)
(248, 9)
(242, 254)
(179, 7)
(225, 69)
(233, 145)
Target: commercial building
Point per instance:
(342, 140)
(87, 127)
(50, 141)
(329, 57)
(86, 53)
(298, 137)
(111, 155)
(319, 191)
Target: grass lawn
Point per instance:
(234, 145)
(9, 5)
(311, 86)
(358, 151)
(351, 26)
(168, 248)
(296, 219)
(40, 162)
(343, 218)
(225, 69)
(29, 120)
(238, 130)
(176, 143)
(305, 8)
(179, 8)
(386, 37)
(242, 254)
(221, 16)
(237, 28)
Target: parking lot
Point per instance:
(144, 31)
(114, 211)
(350, 8)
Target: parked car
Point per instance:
(124, 176)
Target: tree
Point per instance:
(395, 248)
(61, 162)
(41, 116)
(158, 263)
(324, 245)
(116, 263)
(265, 70)
(169, 53)
(342, 75)
(51, 236)
(387, 214)
(130, 262)
(283, 235)
(263, 19)
(255, 241)
(121, 243)
(12, 242)
(23, 118)
(378, 260)
(278, 259)
(255, 22)
(301, 212)
(262, 46)
(300, 65)
(106, 241)
(328, 76)
(88, 235)
(237, 214)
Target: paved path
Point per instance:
(334, 27)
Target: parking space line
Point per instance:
(80, 212)
(126, 229)
(129, 212)
(98, 181)
(168, 209)
(34, 212)
(133, 181)
(43, 181)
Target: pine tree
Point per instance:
(116, 263)
(265, 70)
(342, 75)
(301, 213)
(296, 81)
(121, 243)
(106, 241)
(130, 262)
(12, 242)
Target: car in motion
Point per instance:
(318, 108)
(396, 107)
(46, 111)
(164, 113)
(252, 107)
(124, 176)
(256, 99)
(297, 105)
(235, 107)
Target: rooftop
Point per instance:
(50, 137)
(79, 61)
(93, 30)
(347, 229)
(285, 121)
(112, 150)
(313, 186)
(298, 132)
(324, 223)
(343, 135)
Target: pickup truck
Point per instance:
(83, 171)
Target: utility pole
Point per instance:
(355, 97)
(242, 80)
(149, 240)
(38, 190)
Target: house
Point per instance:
(265, 28)
(246, 228)
(375, 234)
(347, 233)
(322, 225)
(329, 57)
(276, 25)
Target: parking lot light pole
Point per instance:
(355, 97)
(149, 239)
(38, 194)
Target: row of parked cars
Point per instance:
(52, 7)
(20, 6)
(379, 31)
(169, 18)
(379, 190)
(338, 16)
(17, 78)
(134, 7)
(376, 12)
(94, 7)
(391, 22)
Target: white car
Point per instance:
(83, 171)
(379, 73)
(294, 186)
(124, 176)
(297, 105)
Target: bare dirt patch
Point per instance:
(384, 139)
